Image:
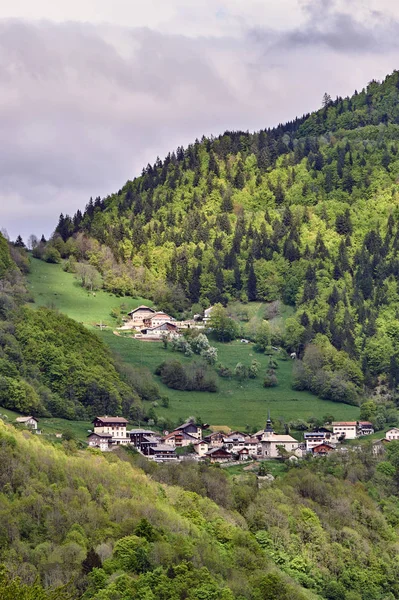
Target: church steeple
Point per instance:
(269, 427)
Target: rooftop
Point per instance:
(163, 448)
(142, 307)
(107, 419)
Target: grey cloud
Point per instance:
(330, 26)
(83, 108)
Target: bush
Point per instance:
(224, 371)
(194, 377)
(270, 381)
(51, 255)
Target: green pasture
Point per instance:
(235, 404)
(54, 288)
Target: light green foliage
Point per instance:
(5, 259)
(224, 328)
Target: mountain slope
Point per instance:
(50, 364)
(306, 212)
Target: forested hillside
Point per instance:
(97, 524)
(50, 364)
(306, 212)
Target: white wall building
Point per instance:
(346, 429)
(30, 422)
(270, 443)
(392, 434)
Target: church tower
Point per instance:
(268, 431)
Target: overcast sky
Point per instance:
(93, 90)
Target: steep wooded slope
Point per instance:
(50, 364)
(306, 212)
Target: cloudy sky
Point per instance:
(93, 90)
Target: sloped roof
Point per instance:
(142, 307)
(24, 419)
(100, 435)
(107, 419)
(185, 425)
(183, 434)
(162, 448)
(216, 450)
(275, 437)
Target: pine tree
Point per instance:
(251, 284)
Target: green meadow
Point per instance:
(54, 288)
(235, 404)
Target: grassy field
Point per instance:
(235, 404)
(53, 287)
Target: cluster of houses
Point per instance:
(219, 446)
(110, 432)
(153, 325)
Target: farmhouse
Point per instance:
(220, 455)
(323, 449)
(30, 422)
(191, 428)
(100, 440)
(138, 315)
(201, 448)
(345, 429)
(161, 452)
(158, 318)
(270, 442)
(215, 440)
(158, 331)
(180, 439)
(365, 428)
(320, 435)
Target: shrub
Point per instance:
(224, 371)
(51, 255)
(270, 381)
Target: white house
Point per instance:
(30, 422)
(319, 436)
(158, 318)
(345, 429)
(201, 448)
(115, 426)
(270, 442)
(392, 434)
(158, 331)
(350, 430)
